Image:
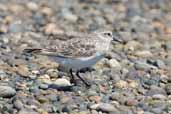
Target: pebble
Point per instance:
(16, 27)
(69, 16)
(61, 82)
(2, 75)
(32, 6)
(127, 34)
(143, 66)
(146, 112)
(132, 46)
(42, 99)
(159, 97)
(131, 102)
(47, 11)
(43, 86)
(51, 28)
(18, 104)
(168, 88)
(155, 90)
(113, 63)
(25, 111)
(22, 70)
(96, 99)
(65, 99)
(104, 107)
(3, 29)
(160, 64)
(144, 53)
(121, 84)
(7, 91)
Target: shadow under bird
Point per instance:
(76, 51)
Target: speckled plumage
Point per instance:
(75, 45)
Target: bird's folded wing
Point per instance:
(73, 48)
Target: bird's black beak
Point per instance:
(116, 38)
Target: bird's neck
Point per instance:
(103, 45)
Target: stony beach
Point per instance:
(134, 78)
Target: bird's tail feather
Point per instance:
(40, 51)
(32, 50)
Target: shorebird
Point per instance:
(76, 51)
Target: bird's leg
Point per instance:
(78, 75)
(72, 76)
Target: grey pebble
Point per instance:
(146, 112)
(155, 90)
(43, 86)
(26, 111)
(160, 64)
(168, 88)
(105, 107)
(143, 66)
(18, 104)
(2, 74)
(7, 91)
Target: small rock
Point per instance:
(104, 107)
(52, 97)
(125, 36)
(22, 70)
(43, 86)
(143, 66)
(6, 91)
(121, 84)
(39, 19)
(156, 90)
(3, 29)
(168, 88)
(42, 99)
(133, 84)
(16, 8)
(65, 99)
(83, 112)
(132, 46)
(47, 11)
(45, 79)
(52, 28)
(114, 64)
(159, 97)
(95, 98)
(167, 45)
(24, 111)
(145, 53)
(160, 64)
(16, 27)
(157, 110)
(32, 6)
(61, 82)
(18, 104)
(66, 109)
(69, 15)
(115, 96)
(131, 102)
(146, 112)
(2, 75)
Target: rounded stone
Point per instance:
(7, 91)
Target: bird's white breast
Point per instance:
(78, 63)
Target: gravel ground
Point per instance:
(135, 78)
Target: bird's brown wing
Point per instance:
(74, 47)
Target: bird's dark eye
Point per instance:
(107, 34)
